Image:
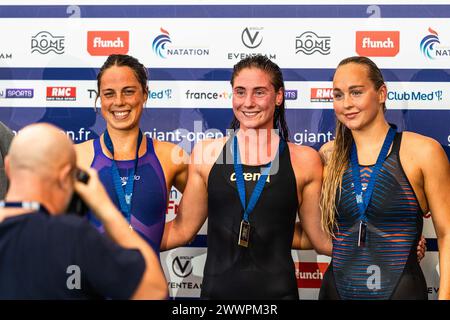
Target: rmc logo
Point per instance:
(61, 93)
(182, 266)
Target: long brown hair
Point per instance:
(338, 161)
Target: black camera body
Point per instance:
(77, 205)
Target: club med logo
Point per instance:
(251, 37)
(61, 93)
(431, 48)
(182, 266)
(17, 93)
(163, 50)
(321, 95)
(310, 274)
(164, 94)
(436, 95)
(377, 43)
(309, 42)
(105, 43)
(44, 42)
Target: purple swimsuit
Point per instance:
(149, 202)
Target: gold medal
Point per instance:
(244, 234)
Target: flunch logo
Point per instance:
(378, 43)
(310, 274)
(61, 93)
(105, 43)
(321, 94)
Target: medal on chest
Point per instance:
(244, 229)
(363, 198)
(244, 234)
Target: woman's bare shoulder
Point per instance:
(85, 153)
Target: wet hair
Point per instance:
(123, 60)
(273, 70)
(338, 159)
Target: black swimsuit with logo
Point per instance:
(264, 270)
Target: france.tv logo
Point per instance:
(427, 45)
(160, 42)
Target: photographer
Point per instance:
(46, 254)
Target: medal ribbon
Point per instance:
(126, 195)
(259, 184)
(363, 199)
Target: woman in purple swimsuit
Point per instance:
(137, 172)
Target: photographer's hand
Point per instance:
(95, 196)
(153, 283)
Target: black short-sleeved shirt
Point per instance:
(41, 257)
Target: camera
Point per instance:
(77, 205)
(82, 176)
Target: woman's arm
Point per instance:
(436, 176)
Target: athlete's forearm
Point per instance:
(297, 240)
(174, 236)
(301, 241)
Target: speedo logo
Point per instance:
(249, 177)
(124, 180)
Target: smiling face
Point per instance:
(356, 102)
(122, 98)
(255, 99)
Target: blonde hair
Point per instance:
(338, 161)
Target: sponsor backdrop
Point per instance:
(49, 57)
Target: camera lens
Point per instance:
(82, 176)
